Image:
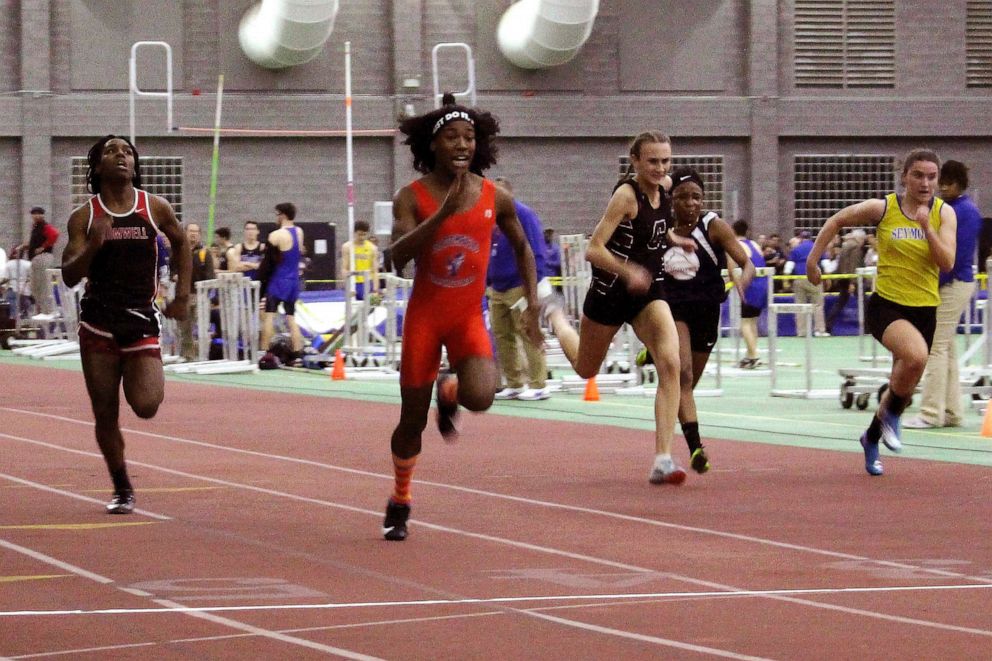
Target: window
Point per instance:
(844, 43)
(824, 184)
(160, 175)
(978, 43)
(709, 167)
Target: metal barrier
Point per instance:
(237, 300)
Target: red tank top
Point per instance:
(452, 268)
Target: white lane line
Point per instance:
(578, 556)
(496, 600)
(216, 619)
(528, 501)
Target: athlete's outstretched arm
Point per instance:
(868, 212)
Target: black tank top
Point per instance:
(124, 271)
(252, 256)
(695, 277)
(642, 239)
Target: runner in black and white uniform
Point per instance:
(695, 289)
(627, 287)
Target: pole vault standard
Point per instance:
(215, 163)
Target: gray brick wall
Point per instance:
(562, 129)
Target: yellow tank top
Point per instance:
(363, 259)
(907, 273)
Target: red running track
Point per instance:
(258, 536)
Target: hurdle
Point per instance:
(63, 327)
(238, 304)
(805, 309)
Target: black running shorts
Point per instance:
(618, 307)
(703, 320)
(880, 312)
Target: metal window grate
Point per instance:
(824, 184)
(844, 43)
(160, 175)
(709, 167)
(978, 43)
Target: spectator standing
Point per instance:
(552, 253)
(852, 251)
(755, 297)
(941, 403)
(366, 277)
(39, 247)
(245, 257)
(506, 310)
(803, 289)
(17, 278)
(202, 269)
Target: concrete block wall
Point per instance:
(562, 129)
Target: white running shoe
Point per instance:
(510, 393)
(534, 394)
(917, 422)
(666, 472)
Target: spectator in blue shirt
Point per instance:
(553, 253)
(506, 306)
(803, 290)
(941, 405)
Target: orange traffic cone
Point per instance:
(337, 372)
(592, 392)
(987, 421)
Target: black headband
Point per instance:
(680, 178)
(454, 115)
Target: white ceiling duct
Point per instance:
(536, 34)
(277, 34)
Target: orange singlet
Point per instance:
(445, 307)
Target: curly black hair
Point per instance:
(93, 182)
(420, 134)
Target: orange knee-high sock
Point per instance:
(403, 470)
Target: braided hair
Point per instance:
(95, 155)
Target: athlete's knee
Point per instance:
(586, 370)
(405, 443)
(476, 401)
(145, 410)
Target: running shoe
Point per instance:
(534, 394)
(667, 472)
(891, 429)
(549, 304)
(872, 463)
(699, 461)
(447, 405)
(121, 503)
(394, 525)
(508, 393)
(748, 363)
(643, 358)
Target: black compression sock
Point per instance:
(874, 430)
(121, 481)
(897, 403)
(691, 432)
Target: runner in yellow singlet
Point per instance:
(916, 238)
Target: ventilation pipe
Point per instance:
(277, 34)
(536, 34)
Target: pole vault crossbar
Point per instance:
(134, 91)
(292, 132)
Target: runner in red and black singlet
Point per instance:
(112, 244)
(122, 283)
(445, 221)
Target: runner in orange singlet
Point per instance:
(445, 221)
